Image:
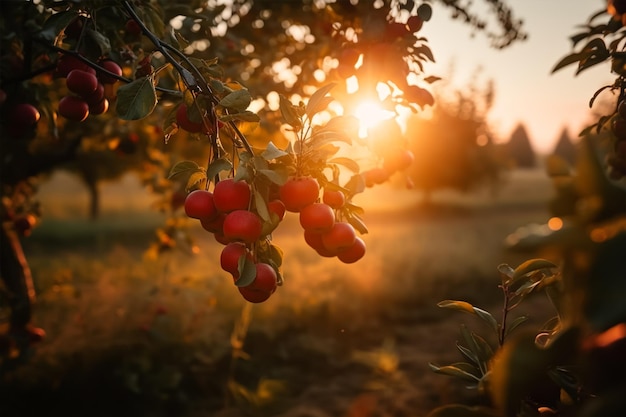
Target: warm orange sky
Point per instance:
(525, 89)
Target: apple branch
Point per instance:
(194, 82)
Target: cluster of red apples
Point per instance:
(86, 87)
(227, 213)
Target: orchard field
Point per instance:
(130, 335)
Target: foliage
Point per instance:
(574, 367)
(519, 149)
(453, 144)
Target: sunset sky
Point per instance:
(525, 90)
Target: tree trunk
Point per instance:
(17, 277)
(94, 200)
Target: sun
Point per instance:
(369, 113)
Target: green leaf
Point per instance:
(247, 271)
(357, 223)
(137, 99)
(289, 113)
(532, 265)
(244, 116)
(97, 44)
(183, 167)
(321, 138)
(468, 354)
(217, 166)
(457, 305)
(278, 178)
(276, 256)
(487, 318)
(195, 178)
(261, 207)
(273, 152)
(515, 324)
(318, 100)
(56, 23)
(238, 100)
(346, 162)
(456, 371)
(569, 59)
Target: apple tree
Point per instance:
(228, 106)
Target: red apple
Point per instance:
(230, 195)
(81, 82)
(112, 67)
(353, 253)
(243, 226)
(298, 193)
(317, 217)
(340, 237)
(335, 199)
(73, 108)
(199, 205)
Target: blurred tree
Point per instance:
(453, 145)
(565, 148)
(519, 149)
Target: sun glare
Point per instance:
(370, 113)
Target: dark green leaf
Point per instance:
(487, 318)
(247, 271)
(278, 178)
(570, 59)
(97, 42)
(289, 113)
(515, 324)
(357, 223)
(468, 354)
(318, 100)
(217, 166)
(194, 179)
(238, 100)
(183, 167)
(456, 371)
(276, 255)
(273, 152)
(56, 23)
(137, 99)
(244, 116)
(261, 207)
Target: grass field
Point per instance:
(171, 337)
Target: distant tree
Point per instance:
(565, 147)
(520, 150)
(454, 148)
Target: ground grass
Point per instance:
(132, 336)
